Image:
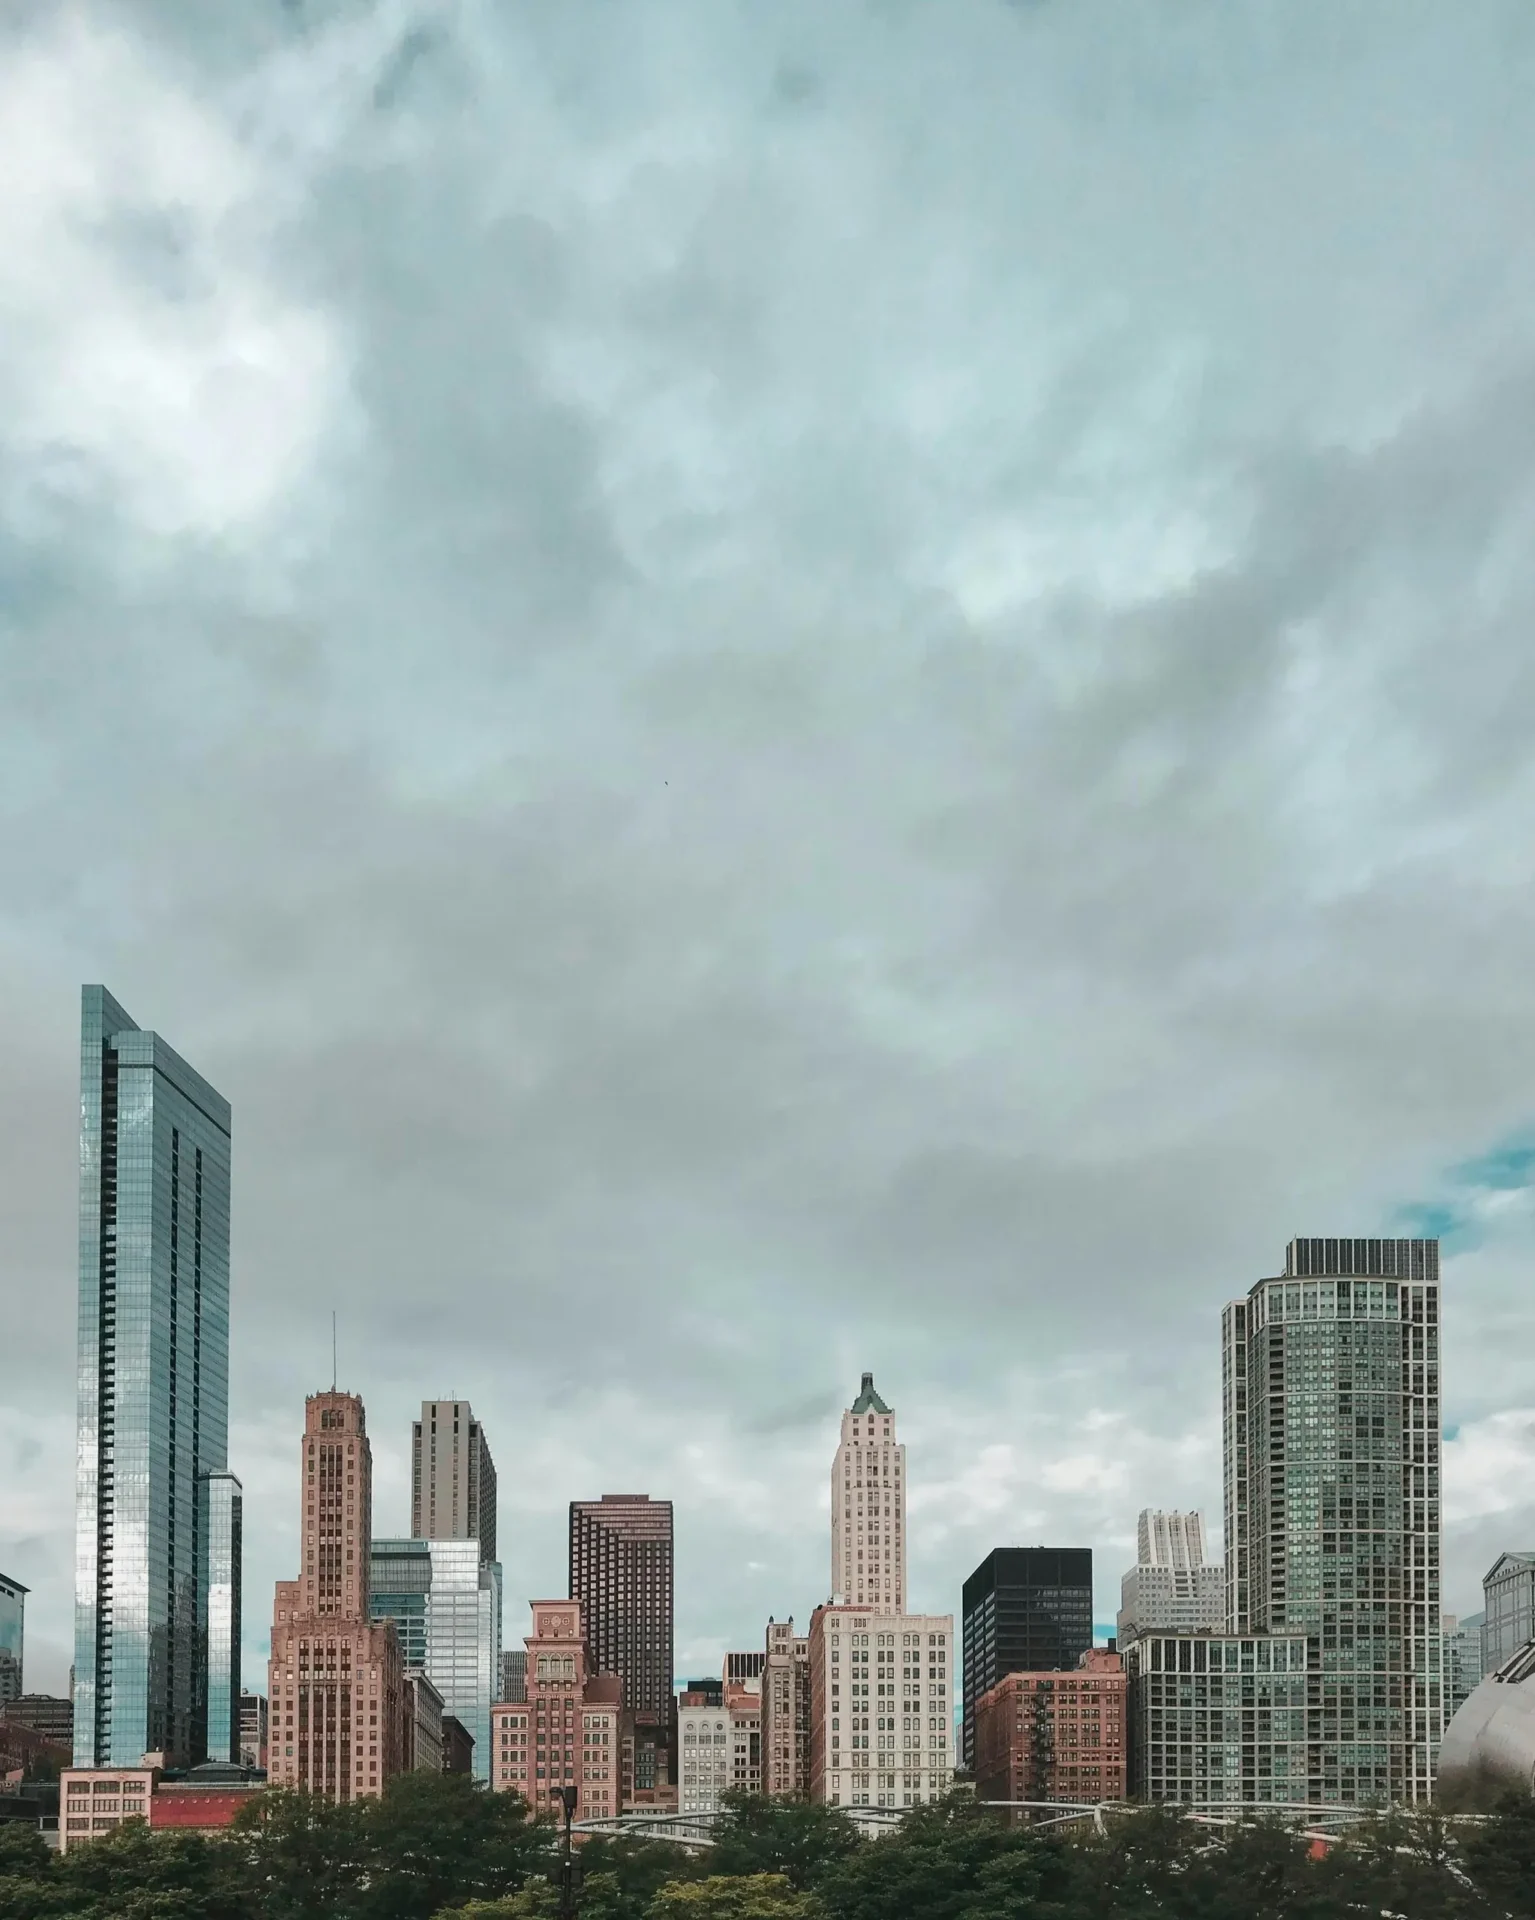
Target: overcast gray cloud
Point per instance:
(776, 689)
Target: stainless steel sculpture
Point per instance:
(1489, 1747)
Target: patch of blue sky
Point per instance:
(1458, 1219)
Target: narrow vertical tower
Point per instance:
(222, 1527)
(334, 1681)
(868, 1507)
(152, 1383)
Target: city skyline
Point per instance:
(860, 705)
(705, 1649)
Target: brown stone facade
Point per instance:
(335, 1684)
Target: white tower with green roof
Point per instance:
(868, 1507)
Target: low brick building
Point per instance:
(1055, 1736)
(92, 1801)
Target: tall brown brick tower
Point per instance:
(334, 1680)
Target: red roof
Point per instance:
(175, 1806)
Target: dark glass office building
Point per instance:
(1026, 1610)
(153, 1389)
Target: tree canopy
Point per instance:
(434, 1847)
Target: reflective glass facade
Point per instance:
(1331, 1386)
(446, 1606)
(13, 1607)
(221, 1528)
(152, 1387)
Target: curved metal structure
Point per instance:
(1489, 1747)
(694, 1831)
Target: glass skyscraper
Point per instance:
(152, 1385)
(445, 1603)
(1332, 1464)
(220, 1525)
(13, 1614)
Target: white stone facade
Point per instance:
(704, 1744)
(1171, 1589)
(882, 1707)
(868, 1507)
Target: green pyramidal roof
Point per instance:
(868, 1400)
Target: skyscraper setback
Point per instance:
(152, 1382)
(1330, 1384)
(1171, 1586)
(335, 1683)
(452, 1477)
(868, 1507)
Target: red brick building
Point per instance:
(93, 1801)
(1055, 1736)
(572, 1729)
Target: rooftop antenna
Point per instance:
(333, 1349)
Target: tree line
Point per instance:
(435, 1848)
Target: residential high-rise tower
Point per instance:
(868, 1507)
(1332, 1457)
(152, 1386)
(452, 1477)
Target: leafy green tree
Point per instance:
(621, 1876)
(24, 1853)
(302, 1855)
(29, 1888)
(1036, 1876)
(436, 1840)
(536, 1901)
(1399, 1862)
(1498, 1856)
(940, 1863)
(752, 1896)
(142, 1875)
(1259, 1870)
(803, 1843)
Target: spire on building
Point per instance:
(868, 1400)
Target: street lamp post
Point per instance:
(567, 1799)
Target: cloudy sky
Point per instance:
(776, 689)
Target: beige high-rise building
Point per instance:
(868, 1507)
(335, 1681)
(452, 1477)
(881, 1713)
